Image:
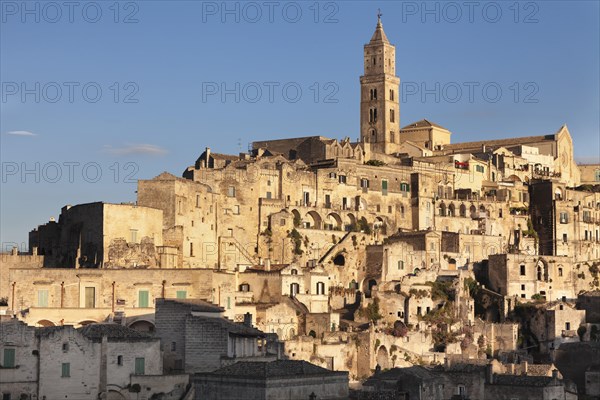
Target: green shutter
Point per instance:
(181, 294)
(143, 298)
(43, 298)
(66, 370)
(140, 366)
(9, 358)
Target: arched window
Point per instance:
(463, 210)
(294, 272)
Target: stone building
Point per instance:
(63, 362)
(101, 235)
(80, 296)
(590, 174)
(195, 337)
(282, 379)
(556, 323)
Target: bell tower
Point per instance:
(379, 95)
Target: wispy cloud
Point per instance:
(21, 133)
(135, 149)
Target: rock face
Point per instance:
(137, 255)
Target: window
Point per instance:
(140, 366)
(342, 178)
(564, 218)
(373, 115)
(143, 297)
(197, 200)
(522, 287)
(65, 347)
(173, 346)
(373, 92)
(404, 187)
(269, 195)
(364, 183)
(392, 137)
(320, 288)
(134, 235)
(282, 222)
(567, 326)
(244, 287)
(522, 270)
(480, 168)
(565, 238)
(90, 297)
(65, 370)
(597, 175)
(236, 208)
(182, 294)
(332, 175)
(231, 191)
(191, 249)
(389, 209)
(43, 298)
(384, 187)
(119, 360)
(327, 201)
(392, 115)
(392, 94)
(400, 265)
(9, 358)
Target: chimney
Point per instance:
(248, 319)
(524, 367)
(267, 264)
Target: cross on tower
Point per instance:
(379, 14)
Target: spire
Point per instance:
(379, 35)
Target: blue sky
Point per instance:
(131, 89)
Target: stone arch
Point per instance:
(451, 210)
(558, 194)
(383, 358)
(115, 395)
(463, 210)
(542, 270)
(297, 217)
(442, 209)
(313, 220)
(350, 222)
(142, 325)
(87, 322)
(334, 221)
(482, 210)
(339, 259)
(380, 224)
(472, 210)
(45, 323)
(368, 286)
